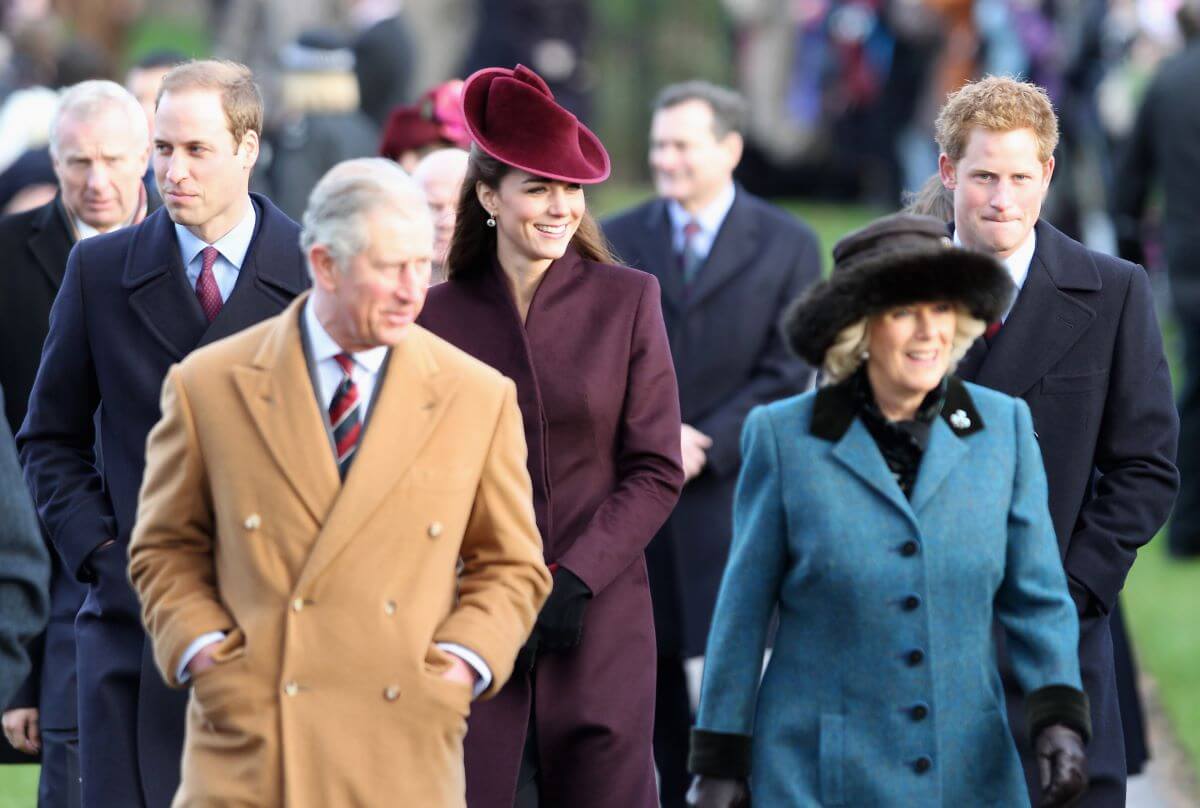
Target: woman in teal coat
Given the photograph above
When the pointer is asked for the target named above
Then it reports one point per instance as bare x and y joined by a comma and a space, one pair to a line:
890, 518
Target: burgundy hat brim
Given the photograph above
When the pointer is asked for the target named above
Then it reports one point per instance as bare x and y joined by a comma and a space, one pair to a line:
405, 131
522, 126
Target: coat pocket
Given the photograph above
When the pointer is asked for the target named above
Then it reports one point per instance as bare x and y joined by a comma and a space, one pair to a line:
1067, 383
831, 756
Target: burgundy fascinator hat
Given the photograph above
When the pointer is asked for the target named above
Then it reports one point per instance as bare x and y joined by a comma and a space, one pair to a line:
512, 116
435, 118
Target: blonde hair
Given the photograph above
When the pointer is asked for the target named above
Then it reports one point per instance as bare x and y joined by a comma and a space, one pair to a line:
241, 99
849, 347
998, 104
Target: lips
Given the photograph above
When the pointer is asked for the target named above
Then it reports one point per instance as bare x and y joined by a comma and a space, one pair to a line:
554, 231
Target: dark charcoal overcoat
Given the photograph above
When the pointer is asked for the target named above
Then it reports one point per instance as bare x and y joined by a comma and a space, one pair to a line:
124, 315
730, 357
1082, 346
601, 411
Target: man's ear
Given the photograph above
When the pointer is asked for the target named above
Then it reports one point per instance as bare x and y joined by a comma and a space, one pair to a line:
248, 149
324, 267
947, 171
734, 145
1047, 172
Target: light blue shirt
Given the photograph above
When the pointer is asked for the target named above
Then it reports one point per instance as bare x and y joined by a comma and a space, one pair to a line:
709, 218
232, 248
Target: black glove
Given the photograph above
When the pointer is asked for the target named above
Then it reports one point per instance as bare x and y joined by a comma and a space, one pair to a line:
526, 656
560, 624
718, 792
1062, 765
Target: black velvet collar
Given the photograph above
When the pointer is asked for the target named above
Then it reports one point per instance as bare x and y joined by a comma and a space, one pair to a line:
836, 408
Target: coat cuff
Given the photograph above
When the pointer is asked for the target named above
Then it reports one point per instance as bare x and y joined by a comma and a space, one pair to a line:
1058, 704
720, 754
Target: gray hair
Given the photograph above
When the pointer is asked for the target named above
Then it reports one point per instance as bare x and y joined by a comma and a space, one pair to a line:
728, 106
350, 190
88, 97
849, 347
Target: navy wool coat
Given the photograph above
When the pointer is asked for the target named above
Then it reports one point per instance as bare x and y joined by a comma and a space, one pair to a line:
1082, 347
601, 411
882, 688
124, 315
729, 357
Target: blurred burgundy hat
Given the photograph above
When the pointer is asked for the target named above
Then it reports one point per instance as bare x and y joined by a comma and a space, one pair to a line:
435, 118
512, 115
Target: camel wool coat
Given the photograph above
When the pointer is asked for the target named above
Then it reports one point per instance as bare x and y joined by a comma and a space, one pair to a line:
327, 690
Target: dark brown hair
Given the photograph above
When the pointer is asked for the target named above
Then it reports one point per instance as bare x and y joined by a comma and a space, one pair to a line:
473, 245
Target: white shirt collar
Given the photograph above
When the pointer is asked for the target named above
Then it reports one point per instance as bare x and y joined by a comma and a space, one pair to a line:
84, 229
232, 246
324, 347
709, 217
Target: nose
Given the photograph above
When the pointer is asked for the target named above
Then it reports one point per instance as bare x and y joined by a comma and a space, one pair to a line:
176, 168
924, 323
558, 201
1002, 196
97, 178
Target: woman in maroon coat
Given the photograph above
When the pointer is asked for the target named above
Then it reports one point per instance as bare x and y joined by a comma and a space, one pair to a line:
533, 292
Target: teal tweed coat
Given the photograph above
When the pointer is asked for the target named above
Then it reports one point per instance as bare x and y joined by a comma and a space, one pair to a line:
882, 688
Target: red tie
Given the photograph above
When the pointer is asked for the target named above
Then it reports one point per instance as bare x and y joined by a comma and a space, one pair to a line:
992, 331
343, 415
206, 285
689, 259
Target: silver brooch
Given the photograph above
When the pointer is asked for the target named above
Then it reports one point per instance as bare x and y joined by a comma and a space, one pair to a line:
959, 419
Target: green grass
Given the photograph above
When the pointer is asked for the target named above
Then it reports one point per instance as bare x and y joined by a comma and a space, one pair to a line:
18, 786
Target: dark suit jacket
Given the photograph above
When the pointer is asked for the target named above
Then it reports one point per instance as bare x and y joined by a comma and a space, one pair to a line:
124, 315
1082, 346
36, 244
1163, 149
24, 571
729, 357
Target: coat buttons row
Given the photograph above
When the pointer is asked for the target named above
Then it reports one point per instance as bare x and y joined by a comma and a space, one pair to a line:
919, 712
253, 522
391, 693
291, 689
434, 530
389, 607
912, 603
915, 657
909, 548
922, 765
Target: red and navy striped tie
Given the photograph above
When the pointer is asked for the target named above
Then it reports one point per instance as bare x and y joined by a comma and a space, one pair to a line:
344, 419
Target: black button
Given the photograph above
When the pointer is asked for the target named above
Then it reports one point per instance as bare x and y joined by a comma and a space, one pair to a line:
912, 603
922, 765
909, 548
916, 656
920, 712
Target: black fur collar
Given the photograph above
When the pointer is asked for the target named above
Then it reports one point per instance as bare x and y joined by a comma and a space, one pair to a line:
834, 411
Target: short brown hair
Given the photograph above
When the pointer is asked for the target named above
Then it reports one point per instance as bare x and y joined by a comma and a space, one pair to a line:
999, 104
240, 96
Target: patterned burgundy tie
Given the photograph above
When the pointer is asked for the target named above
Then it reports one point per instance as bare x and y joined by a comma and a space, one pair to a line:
992, 330
206, 285
343, 415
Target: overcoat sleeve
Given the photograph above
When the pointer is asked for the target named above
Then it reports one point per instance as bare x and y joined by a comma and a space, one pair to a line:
777, 373
504, 580
1033, 604
649, 466
171, 561
1135, 456
57, 440
749, 588
24, 571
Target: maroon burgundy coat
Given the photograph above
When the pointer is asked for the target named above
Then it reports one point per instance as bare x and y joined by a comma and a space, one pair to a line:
597, 391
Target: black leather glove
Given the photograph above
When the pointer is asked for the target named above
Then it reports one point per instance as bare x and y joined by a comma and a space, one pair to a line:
718, 792
1062, 765
560, 624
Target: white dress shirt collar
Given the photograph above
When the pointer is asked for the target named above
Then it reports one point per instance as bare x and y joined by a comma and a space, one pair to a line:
232, 246
325, 347
709, 218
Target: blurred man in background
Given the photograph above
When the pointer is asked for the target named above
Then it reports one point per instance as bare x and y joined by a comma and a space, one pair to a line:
440, 175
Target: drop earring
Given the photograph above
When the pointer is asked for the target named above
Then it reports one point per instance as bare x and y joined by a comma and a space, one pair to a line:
491, 220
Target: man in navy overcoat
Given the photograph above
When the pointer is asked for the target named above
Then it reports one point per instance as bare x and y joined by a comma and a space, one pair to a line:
728, 263
214, 260
1081, 345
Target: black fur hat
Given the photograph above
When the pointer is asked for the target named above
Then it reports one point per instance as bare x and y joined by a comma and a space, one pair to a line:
894, 261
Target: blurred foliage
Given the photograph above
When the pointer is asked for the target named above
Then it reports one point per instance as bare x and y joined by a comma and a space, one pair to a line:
167, 33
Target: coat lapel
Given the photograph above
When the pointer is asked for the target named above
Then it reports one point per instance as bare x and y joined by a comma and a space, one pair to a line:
658, 255
412, 400
1045, 321
859, 454
51, 241
944, 451
735, 246
279, 396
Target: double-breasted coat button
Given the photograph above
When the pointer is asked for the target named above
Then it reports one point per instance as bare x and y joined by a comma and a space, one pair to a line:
291, 688
389, 607
391, 693
435, 529
298, 605
919, 712
253, 522
916, 657
909, 548
912, 603
922, 765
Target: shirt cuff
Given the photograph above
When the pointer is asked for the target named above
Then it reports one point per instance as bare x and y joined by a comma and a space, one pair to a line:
475, 661
204, 639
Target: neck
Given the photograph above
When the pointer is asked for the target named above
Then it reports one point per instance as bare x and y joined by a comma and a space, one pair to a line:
696, 204
326, 311
219, 226
522, 274
896, 405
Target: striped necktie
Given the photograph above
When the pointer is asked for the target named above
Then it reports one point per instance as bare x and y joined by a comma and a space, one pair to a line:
344, 417
690, 258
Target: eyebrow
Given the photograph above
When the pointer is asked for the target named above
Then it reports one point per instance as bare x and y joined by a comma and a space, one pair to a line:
537, 180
